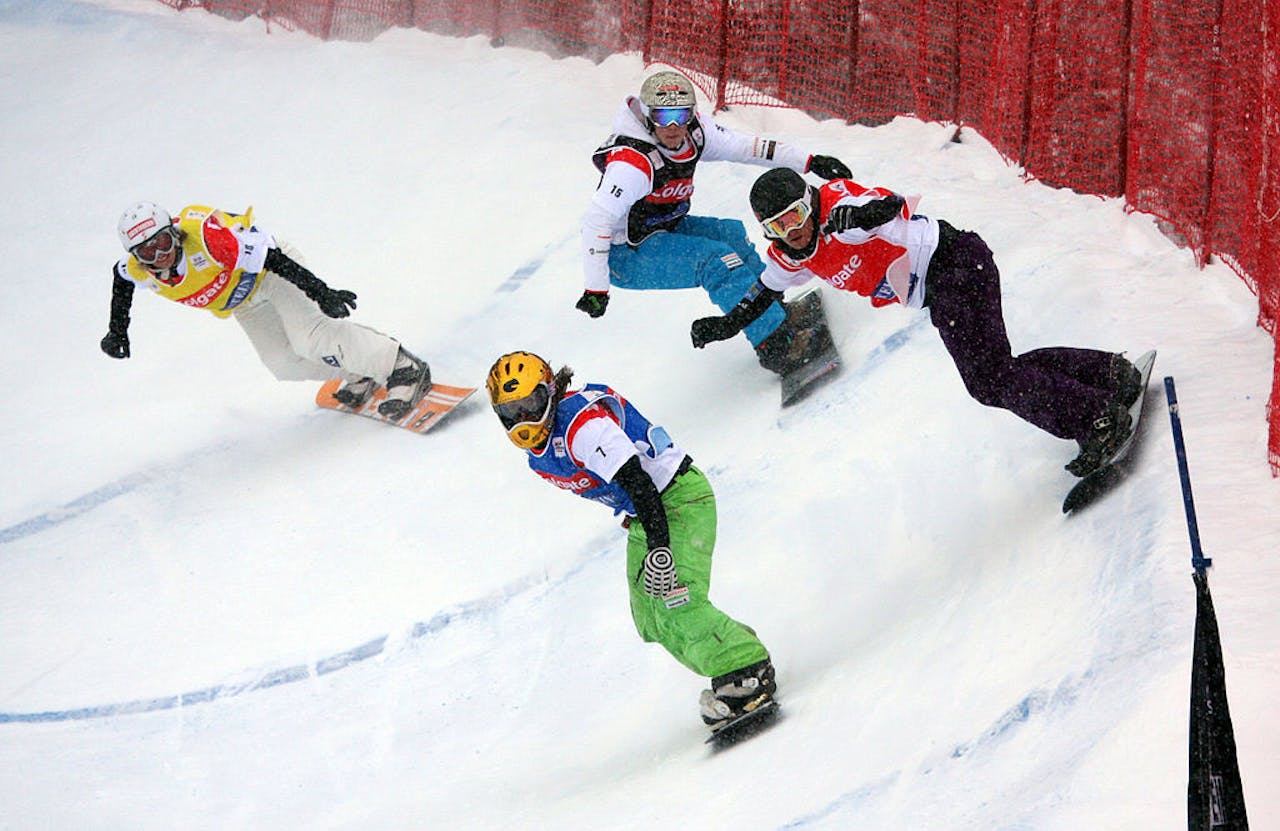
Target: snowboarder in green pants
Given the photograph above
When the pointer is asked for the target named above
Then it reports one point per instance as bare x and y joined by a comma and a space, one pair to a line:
594, 443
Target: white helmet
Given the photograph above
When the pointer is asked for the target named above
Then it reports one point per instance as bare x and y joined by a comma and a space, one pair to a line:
141, 222
667, 89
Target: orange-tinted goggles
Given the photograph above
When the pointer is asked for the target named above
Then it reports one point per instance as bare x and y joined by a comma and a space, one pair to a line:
788, 219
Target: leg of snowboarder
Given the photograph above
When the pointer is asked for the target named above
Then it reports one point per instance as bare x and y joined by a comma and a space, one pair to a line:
714, 255
964, 303
683, 619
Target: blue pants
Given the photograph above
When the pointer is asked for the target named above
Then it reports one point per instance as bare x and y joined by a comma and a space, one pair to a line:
702, 252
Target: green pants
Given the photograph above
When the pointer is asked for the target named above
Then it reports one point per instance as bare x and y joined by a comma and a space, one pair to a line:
697, 634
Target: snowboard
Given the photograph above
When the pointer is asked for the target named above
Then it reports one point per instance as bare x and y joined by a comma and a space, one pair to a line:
744, 726
439, 401
805, 312
1113, 469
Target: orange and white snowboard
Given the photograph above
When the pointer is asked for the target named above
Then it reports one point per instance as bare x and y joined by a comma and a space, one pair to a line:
439, 401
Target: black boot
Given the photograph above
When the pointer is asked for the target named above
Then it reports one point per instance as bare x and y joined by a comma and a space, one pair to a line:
737, 693
797, 340
354, 394
1108, 432
776, 352
409, 381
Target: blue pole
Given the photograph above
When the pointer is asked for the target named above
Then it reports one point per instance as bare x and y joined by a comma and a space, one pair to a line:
1198, 561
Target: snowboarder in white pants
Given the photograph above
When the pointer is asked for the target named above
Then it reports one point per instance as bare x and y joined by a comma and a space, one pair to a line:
223, 263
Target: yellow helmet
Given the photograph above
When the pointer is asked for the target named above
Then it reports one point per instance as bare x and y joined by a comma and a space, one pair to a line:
521, 391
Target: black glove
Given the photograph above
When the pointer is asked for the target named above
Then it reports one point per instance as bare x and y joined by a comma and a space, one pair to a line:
593, 302
868, 216
116, 344
704, 330
829, 167
336, 302
758, 298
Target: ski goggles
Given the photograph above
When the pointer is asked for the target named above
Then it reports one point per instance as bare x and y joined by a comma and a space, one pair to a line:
155, 247
531, 409
788, 219
668, 116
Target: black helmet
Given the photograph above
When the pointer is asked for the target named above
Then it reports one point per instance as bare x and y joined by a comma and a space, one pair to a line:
773, 193
775, 190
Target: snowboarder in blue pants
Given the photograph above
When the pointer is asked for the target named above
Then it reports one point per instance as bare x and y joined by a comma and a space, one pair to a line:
637, 232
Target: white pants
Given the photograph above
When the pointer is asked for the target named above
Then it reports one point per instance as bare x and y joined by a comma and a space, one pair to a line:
298, 342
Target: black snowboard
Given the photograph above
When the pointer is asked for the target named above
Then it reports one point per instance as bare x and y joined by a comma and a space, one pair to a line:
822, 361
744, 726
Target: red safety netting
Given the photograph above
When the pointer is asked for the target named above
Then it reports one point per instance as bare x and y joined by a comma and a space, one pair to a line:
1172, 104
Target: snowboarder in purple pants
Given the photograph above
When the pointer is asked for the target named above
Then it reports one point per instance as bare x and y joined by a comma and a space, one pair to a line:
870, 241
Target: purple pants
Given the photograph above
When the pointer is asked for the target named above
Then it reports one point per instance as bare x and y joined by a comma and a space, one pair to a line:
1059, 389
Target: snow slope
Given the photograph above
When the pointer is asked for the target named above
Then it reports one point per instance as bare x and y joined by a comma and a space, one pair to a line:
223, 608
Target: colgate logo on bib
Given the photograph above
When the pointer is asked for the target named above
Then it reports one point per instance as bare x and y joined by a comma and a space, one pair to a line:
677, 190
577, 483
205, 296
841, 277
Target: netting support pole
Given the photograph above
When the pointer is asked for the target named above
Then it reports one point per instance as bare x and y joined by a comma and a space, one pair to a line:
956, 67
1211, 147
1199, 562
1033, 24
722, 64
327, 29
1125, 83
646, 51
855, 56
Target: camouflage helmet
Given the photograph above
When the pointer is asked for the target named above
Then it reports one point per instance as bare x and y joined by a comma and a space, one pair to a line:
667, 89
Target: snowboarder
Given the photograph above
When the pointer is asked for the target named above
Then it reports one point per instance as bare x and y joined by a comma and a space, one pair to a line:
594, 443
870, 241
637, 234
222, 262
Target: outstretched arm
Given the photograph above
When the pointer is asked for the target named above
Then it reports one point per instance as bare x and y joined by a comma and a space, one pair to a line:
116, 341
707, 329
724, 144
333, 302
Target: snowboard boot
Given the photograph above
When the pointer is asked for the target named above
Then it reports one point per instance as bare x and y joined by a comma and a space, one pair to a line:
354, 394
1127, 380
737, 693
1107, 433
409, 381
784, 350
